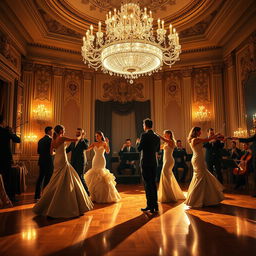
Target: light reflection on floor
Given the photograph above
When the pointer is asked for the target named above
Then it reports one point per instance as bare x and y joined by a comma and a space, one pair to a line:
122, 229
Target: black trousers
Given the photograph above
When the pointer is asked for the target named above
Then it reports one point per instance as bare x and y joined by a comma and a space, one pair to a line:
45, 174
149, 177
81, 171
184, 173
214, 166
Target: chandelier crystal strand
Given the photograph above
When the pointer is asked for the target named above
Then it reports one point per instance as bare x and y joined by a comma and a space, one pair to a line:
130, 48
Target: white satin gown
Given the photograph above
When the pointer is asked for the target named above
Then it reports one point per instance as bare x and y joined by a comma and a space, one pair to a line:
101, 183
169, 189
204, 189
64, 196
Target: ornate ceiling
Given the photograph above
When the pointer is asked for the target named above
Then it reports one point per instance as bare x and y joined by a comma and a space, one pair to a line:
61, 24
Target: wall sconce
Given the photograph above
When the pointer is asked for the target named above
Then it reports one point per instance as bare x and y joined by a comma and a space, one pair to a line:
30, 137
203, 115
254, 120
240, 133
41, 112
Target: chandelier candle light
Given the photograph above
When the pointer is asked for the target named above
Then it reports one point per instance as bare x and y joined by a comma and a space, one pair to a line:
202, 115
130, 48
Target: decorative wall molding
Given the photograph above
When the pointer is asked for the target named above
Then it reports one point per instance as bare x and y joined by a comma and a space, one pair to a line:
172, 82
111, 4
120, 90
55, 27
7, 50
43, 81
73, 81
201, 85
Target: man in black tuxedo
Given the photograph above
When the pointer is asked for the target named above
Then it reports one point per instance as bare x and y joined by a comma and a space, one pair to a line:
149, 145
126, 164
45, 161
6, 160
213, 155
78, 155
179, 155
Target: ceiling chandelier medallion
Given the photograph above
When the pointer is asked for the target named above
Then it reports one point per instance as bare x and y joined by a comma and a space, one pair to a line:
130, 47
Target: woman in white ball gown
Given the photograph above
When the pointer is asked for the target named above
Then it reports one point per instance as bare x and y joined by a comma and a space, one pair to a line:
101, 183
169, 189
64, 196
204, 189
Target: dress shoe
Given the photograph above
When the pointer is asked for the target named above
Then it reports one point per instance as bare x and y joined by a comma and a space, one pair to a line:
145, 209
154, 210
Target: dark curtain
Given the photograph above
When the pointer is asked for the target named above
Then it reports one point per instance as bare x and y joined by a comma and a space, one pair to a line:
142, 111
103, 117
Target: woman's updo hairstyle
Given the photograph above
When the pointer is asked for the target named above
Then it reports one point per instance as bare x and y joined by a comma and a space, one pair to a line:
101, 134
57, 130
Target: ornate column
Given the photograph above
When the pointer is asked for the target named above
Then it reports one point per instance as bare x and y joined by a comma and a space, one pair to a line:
218, 99
58, 73
157, 115
231, 95
88, 117
187, 101
28, 79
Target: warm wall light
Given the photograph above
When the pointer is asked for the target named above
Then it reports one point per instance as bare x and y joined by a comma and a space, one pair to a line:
240, 133
41, 112
30, 138
202, 115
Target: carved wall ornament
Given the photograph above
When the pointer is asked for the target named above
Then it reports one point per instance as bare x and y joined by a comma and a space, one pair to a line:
247, 64
55, 27
7, 50
200, 27
106, 5
43, 76
201, 85
58, 71
120, 90
73, 80
172, 83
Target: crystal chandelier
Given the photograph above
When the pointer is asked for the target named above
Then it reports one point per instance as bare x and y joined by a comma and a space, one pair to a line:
130, 48
202, 115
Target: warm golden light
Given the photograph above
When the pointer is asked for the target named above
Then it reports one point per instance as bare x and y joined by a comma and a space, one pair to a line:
41, 112
29, 234
202, 115
240, 132
30, 138
131, 46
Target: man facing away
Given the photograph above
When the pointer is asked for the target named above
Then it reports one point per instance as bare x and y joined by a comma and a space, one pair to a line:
45, 161
78, 155
6, 160
149, 145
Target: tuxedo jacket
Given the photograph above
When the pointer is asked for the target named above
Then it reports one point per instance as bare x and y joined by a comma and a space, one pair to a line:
78, 156
6, 136
149, 145
213, 150
179, 155
44, 151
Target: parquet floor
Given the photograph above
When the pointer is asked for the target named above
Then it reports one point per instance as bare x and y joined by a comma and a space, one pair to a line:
122, 229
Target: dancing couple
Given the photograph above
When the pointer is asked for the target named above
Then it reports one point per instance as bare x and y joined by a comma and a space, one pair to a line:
65, 195
204, 189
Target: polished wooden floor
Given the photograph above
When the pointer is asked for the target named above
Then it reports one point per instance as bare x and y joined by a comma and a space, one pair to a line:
122, 229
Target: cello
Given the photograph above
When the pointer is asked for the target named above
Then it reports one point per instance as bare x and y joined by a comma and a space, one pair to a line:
243, 165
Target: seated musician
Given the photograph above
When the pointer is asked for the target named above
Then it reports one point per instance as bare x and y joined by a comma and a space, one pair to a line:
179, 155
126, 164
245, 166
234, 151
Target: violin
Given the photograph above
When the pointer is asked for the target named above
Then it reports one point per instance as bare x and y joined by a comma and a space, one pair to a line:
243, 165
